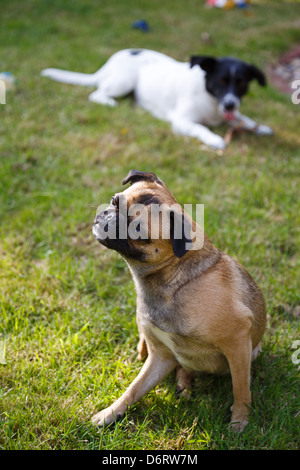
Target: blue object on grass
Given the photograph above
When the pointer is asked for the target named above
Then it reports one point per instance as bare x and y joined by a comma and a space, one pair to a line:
141, 24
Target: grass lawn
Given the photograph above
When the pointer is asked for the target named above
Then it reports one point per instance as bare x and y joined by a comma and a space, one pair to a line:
67, 305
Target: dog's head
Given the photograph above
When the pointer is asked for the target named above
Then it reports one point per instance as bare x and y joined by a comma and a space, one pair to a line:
227, 79
144, 223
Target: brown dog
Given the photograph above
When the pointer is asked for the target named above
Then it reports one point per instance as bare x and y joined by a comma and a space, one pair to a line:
197, 309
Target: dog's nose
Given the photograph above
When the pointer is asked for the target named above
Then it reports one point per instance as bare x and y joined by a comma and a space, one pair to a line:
229, 105
103, 217
98, 218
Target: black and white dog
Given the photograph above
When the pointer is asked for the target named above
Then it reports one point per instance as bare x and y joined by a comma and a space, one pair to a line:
190, 95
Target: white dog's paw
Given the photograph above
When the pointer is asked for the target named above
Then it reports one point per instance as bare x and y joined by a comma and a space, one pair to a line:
216, 142
106, 417
100, 98
264, 130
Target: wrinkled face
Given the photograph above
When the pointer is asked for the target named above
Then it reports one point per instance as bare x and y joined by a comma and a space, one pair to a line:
144, 222
227, 79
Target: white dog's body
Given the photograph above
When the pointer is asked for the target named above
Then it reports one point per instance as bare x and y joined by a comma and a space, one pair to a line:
170, 90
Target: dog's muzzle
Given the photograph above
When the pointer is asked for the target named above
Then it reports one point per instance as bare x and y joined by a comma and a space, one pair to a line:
105, 224
228, 105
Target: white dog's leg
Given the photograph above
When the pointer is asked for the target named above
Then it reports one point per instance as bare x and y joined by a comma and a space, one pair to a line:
251, 125
184, 127
111, 87
100, 97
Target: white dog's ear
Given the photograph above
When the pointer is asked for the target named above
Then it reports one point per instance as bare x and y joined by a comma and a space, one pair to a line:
205, 62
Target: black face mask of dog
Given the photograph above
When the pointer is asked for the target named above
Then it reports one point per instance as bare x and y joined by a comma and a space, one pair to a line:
227, 79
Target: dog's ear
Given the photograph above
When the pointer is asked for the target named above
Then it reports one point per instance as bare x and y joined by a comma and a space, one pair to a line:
205, 62
134, 176
255, 74
180, 229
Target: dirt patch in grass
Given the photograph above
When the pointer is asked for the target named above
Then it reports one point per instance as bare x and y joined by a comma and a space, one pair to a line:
286, 70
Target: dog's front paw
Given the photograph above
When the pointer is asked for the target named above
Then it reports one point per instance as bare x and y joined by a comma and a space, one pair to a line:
264, 130
216, 142
238, 426
239, 418
106, 417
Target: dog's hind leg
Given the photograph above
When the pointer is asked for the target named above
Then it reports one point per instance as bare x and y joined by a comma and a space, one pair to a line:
184, 383
113, 83
142, 344
256, 352
142, 348
100, 97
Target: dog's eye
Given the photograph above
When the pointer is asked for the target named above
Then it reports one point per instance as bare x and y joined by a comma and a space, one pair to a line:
224, 81
138, 228
241, 83
115, 201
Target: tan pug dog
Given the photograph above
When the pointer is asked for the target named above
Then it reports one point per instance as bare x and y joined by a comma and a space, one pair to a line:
197, 308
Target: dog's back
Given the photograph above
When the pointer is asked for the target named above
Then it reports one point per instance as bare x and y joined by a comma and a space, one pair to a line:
129, 60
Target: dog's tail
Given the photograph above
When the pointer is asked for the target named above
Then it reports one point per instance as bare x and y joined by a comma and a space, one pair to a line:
73, 78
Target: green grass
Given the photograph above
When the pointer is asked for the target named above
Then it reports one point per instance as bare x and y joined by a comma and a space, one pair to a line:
67, 305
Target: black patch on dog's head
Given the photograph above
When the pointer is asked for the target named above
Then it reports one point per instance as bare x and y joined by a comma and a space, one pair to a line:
205, 62
227, 75
136, 51
147, 199
134, 176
